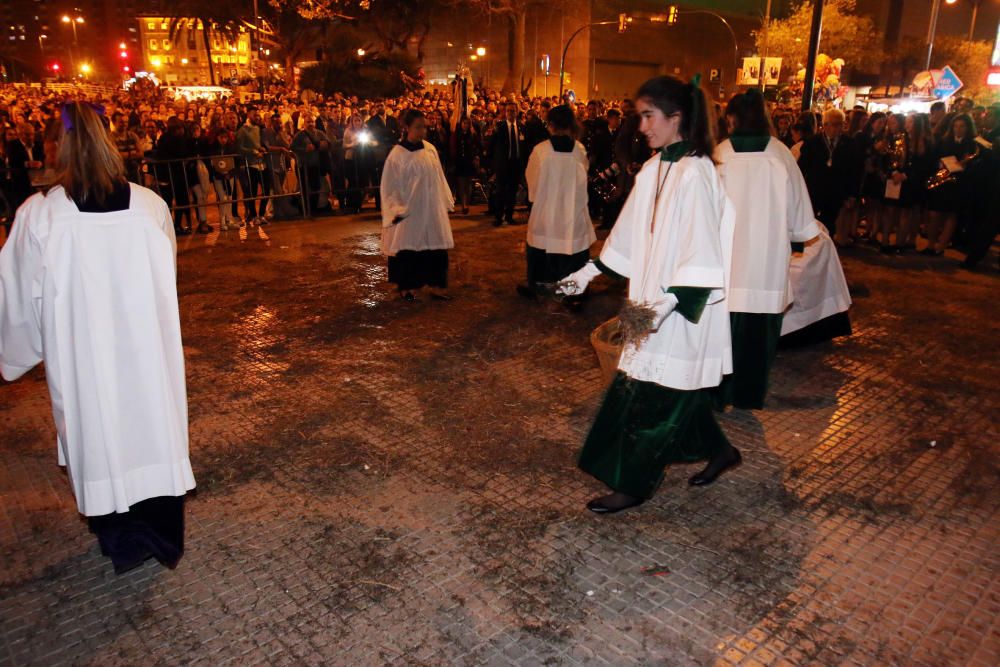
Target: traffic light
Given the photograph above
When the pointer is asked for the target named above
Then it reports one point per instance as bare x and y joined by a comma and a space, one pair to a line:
623, 21
672, 14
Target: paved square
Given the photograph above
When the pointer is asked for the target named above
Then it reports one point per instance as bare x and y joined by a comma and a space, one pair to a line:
385, 482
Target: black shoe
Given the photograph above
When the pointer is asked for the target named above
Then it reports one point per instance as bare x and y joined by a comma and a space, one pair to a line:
498, 223
183, 231
931, 252
527, 292
716, 468
887, 249
614, 502
574, 303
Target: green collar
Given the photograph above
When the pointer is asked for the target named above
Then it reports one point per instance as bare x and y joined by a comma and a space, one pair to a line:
744, 141
675, 151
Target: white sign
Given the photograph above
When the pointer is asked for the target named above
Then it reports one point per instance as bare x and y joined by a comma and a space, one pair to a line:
750, 72
772, 71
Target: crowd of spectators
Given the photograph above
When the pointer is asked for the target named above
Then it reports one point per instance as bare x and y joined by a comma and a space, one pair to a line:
882, 178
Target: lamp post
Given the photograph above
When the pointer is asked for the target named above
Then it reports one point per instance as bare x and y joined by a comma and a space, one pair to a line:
732, 33
932, 30
763, 51
72, 21
562, 61
975, 15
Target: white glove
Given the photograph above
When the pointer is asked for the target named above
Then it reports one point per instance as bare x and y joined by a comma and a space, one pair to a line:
663, 307
576, 283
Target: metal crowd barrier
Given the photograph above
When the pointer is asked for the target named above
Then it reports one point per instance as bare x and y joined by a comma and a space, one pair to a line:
165, 176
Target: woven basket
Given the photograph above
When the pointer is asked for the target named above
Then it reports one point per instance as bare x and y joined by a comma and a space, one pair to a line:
607, 342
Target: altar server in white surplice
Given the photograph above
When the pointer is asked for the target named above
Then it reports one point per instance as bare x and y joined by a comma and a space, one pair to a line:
819, 312
560, 232
773, 210
88, 285
416, 200
672, 242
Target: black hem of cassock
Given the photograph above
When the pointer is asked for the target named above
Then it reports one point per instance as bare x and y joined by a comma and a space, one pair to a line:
821, 331
549, 267
152, 528
413, 269
641, 427
755, 344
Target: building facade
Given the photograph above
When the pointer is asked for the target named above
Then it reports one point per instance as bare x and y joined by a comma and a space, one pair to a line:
182, 59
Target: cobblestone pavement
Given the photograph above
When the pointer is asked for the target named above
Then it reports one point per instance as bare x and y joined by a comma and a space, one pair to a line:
383, 482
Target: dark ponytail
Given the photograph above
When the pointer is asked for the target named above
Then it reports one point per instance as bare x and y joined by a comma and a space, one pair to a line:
749, 112
671, 95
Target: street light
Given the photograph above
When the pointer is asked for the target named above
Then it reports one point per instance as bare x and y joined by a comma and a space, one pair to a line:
481, 51
72, 22
361, 53
932, 28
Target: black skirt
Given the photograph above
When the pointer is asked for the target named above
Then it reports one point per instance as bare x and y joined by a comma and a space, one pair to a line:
547, 267
413, 269
152, 528
820, 331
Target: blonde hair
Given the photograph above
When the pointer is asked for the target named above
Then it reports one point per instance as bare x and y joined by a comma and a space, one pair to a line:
88, 163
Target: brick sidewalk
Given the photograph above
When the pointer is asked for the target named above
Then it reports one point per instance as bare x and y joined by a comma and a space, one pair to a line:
382, 482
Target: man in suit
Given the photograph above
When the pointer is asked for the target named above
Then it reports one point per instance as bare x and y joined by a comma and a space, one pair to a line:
23, 154
830, 165
385, 131
630, 151
506, 152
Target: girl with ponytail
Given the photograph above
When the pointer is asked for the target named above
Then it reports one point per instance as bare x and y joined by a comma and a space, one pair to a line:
671, 242
773, 210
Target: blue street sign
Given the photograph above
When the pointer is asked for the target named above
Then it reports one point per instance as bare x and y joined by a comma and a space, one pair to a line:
947, 84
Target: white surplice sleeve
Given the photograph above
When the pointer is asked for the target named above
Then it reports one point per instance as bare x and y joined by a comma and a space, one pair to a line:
533, 172
617, 251
802, 225
21, 274
443, 188
394, 190
699, 259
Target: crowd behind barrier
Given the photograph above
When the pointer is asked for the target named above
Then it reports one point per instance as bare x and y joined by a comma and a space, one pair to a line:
879, 178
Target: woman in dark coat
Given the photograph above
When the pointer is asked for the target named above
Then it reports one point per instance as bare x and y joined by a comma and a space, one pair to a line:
944, 201
465, 151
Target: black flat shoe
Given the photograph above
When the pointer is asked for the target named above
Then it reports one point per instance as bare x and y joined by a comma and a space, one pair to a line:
716, 468
613, 502
184, 231
574, 303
